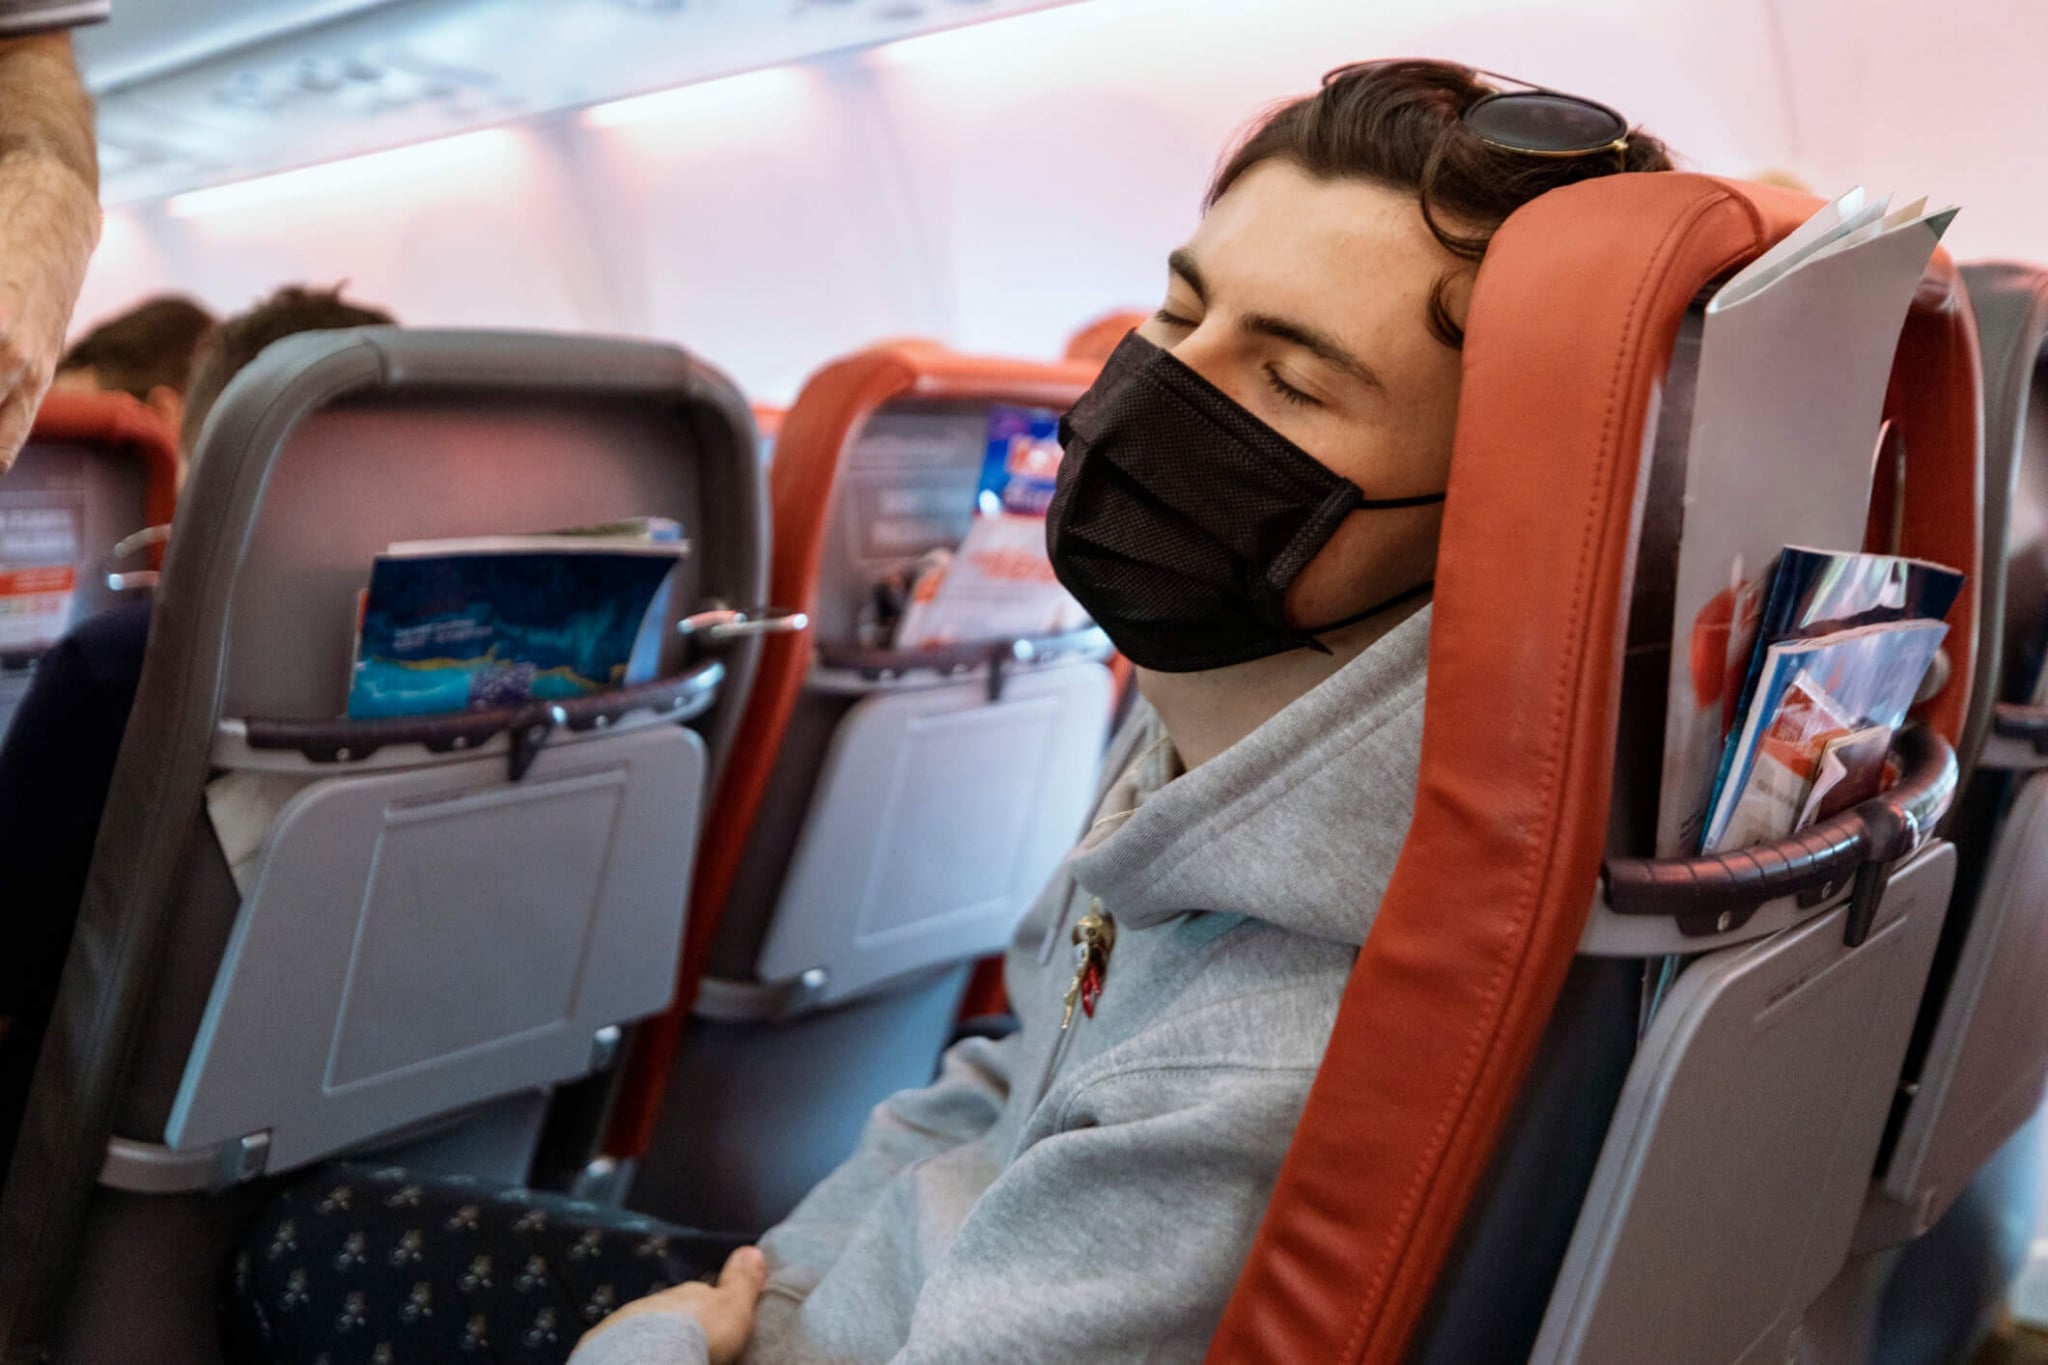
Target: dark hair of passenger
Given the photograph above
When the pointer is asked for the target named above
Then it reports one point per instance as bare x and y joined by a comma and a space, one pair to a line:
151, 346
242, 338
1401, 124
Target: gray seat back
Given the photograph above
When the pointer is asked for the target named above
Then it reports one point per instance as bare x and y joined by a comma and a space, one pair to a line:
427, 924
1688, 1164
933, 802
421, 939
1726, 1198
1739, 1156
917, 802
1979, 1067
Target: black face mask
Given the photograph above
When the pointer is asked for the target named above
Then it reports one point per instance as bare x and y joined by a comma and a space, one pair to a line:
1180, 519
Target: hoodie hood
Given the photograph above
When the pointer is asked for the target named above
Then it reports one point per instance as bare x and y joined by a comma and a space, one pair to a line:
1298, 824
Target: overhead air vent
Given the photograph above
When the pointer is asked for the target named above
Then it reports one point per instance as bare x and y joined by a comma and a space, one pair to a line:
316, 80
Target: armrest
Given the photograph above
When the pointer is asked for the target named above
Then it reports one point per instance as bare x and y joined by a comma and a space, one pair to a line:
993, 655
1716, 892
685, 695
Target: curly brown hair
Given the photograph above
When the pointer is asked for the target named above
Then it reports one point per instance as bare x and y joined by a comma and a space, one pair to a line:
151, 346
239, 340
1402, 124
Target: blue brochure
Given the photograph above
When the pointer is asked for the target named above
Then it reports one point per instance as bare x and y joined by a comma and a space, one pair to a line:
1820, 592
1022, 461
1816, 593
455, 626
1828, 697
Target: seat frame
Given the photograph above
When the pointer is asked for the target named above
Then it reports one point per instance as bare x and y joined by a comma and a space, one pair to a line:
638, 416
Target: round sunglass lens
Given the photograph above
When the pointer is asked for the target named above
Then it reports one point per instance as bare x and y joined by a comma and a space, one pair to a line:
1538, 121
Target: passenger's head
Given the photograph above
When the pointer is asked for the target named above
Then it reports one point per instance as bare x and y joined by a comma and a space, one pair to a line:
1325, 291
242, 338
145, 352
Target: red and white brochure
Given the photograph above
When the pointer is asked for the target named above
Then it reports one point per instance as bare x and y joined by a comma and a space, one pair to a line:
35, 604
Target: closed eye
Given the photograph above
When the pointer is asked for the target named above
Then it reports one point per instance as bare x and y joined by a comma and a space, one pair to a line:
1288, 393
1173, 319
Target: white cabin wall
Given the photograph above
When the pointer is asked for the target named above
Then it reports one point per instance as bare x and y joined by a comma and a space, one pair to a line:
998, 185
1060, 155
468, 231
129, 263
760, 220
1933, 96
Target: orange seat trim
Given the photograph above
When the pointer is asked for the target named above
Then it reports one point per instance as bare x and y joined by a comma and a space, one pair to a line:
119, 422
1936, 403
1094, 342
768, 419
1572, 324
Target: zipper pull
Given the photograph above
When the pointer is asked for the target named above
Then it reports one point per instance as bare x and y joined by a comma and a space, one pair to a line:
1094, 936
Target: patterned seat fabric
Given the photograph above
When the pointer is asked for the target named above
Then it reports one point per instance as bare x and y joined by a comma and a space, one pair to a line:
364, 1266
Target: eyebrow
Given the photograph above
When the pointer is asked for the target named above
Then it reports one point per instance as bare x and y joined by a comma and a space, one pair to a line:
1318, 343
1321, 344
1182, 263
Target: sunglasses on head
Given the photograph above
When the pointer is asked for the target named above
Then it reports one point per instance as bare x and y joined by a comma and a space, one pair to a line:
1536, 121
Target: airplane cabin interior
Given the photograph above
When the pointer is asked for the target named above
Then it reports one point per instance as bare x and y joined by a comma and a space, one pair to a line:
687, 682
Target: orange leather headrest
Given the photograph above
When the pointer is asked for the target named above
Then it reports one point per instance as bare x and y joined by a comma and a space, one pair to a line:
1572, 325
117, 421
1094, 342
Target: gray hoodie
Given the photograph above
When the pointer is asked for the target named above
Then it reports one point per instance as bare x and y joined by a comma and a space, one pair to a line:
1090, 1195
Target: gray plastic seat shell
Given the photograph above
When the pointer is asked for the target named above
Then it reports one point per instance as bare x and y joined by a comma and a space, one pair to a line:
1738, 1157
530, 393
1986, 1067
424, 940
934, 821
2011, 306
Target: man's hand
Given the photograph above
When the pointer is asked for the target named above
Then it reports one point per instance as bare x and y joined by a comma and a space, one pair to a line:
725, 1311
49, 221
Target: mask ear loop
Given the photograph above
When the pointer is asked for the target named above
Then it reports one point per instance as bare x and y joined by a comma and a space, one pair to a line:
1389, 504
1406, 595
1402, 598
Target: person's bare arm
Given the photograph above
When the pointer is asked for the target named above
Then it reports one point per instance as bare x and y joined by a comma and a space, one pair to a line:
49, 220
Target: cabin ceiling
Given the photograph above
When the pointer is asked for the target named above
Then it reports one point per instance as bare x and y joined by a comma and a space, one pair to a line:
201, 92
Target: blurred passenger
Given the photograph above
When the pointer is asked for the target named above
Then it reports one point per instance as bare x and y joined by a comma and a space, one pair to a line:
1248, 505
146, 352
239, 340
49, 200
57, 757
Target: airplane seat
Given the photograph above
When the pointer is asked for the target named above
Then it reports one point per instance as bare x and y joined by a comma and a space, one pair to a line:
1093, 343
439, 919
768, 421
1505, 1154
96, 469
888, 815
1978, 1066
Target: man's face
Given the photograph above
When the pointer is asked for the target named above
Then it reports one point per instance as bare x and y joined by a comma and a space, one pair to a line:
1308, 302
